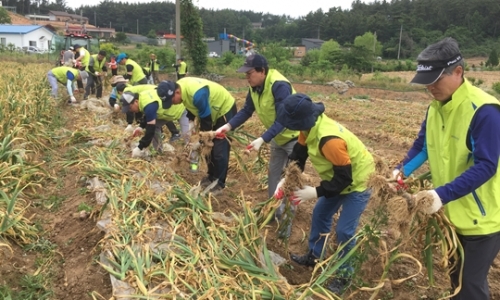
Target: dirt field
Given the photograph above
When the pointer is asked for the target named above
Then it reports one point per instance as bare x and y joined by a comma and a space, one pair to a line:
387, 123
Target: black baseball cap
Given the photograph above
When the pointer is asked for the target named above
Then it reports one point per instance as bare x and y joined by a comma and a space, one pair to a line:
253, 61
429, 71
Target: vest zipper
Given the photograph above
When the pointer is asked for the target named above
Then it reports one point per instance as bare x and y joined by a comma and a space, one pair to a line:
479, 204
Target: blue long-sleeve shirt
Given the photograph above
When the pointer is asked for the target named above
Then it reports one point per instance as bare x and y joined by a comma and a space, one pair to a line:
280, 90
69, 83
484, 131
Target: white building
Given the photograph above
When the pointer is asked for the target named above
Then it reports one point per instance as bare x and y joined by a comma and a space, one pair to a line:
25, 36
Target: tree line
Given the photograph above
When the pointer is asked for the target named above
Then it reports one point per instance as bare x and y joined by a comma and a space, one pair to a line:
418, 23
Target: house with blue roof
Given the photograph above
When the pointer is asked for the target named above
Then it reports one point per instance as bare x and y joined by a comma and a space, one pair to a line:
25, 36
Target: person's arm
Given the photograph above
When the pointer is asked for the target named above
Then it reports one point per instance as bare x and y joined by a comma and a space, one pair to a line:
91, 65
334, 149
299, 153
417, 155
150, 115
202, 103
130, 69
244, 114
104, 68
69, 82
484, 144
280, 90
112, 97
82, 54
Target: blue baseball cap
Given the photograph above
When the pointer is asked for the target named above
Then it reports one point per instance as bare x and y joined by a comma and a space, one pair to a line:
120, 57
298, 112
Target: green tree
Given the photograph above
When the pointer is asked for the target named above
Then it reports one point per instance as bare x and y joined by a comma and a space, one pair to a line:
329, 50
192, 30
151, 34
120, 37
492, 59
369, 42
4, 16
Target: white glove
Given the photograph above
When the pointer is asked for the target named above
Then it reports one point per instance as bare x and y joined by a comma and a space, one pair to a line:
96, 73
116, 107
74, 61
255, 145
137, 152
436, 201
137, 132
195, 146
73, 99
305, 194
279, 193
129, 128
223, 129
396, 174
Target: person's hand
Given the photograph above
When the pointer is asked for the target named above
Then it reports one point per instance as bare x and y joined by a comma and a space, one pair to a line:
129, 128
73, 99
96, 73
279, 193
116, 107
432, 197
195, 146
74, 61
220, 133
255, 145
397, 175
304, 194
137, 152
137, 132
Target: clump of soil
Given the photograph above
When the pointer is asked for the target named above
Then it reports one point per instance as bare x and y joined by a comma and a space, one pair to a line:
293, 179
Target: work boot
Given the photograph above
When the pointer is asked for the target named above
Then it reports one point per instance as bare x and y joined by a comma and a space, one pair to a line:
174, 138
338, 285
216, 190
308, 259
205, 182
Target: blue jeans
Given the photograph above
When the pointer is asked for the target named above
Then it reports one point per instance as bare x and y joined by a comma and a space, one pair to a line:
353, 205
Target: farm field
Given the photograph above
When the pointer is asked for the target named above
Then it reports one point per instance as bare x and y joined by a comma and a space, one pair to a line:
54, 251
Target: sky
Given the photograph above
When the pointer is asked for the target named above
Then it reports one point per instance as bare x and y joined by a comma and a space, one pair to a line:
275, 7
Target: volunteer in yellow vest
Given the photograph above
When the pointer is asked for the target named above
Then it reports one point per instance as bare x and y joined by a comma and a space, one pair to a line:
66, 76
155, 116
268, 88
138, 116
96, 70
344, 166
180, 68
114, 96
214, 106
461, 141
153, 68
135, 75
82, 55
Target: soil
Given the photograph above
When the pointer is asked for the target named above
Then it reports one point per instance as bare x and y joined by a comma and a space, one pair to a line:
387, 123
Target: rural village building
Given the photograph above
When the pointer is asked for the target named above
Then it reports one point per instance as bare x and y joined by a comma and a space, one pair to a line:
26, 35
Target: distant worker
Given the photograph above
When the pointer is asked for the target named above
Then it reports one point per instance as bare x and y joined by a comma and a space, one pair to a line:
135, 74
82, 56
114, 96
66, 76
180, 68
96, 69
153, 67
68, 57
113, 65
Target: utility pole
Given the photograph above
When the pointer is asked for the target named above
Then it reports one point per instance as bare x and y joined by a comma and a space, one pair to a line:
400, 33
374, 45
95, 22
109, 24
137, 26
171, 26
178, 28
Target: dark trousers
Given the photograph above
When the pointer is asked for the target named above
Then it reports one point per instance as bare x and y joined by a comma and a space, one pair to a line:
218, 160
138, 118
142, 81
179, 76
479, 253
94, 84
79, 84
114, 72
